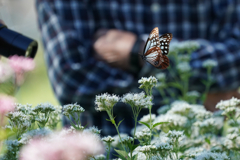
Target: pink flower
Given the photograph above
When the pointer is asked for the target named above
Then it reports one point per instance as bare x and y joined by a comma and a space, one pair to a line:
7, 104
77, 146
21, 64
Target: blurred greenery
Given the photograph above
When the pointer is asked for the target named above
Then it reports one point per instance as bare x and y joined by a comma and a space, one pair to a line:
37, 89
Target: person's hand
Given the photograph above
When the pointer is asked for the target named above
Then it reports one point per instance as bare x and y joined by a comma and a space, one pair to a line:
1, 21
214, 98
114, 48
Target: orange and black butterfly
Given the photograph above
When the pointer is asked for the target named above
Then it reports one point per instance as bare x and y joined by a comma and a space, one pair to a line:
156, 49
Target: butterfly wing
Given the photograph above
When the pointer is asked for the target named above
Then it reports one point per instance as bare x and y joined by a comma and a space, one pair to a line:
164, 42
154, 48
165, 62
154, 56
152, 41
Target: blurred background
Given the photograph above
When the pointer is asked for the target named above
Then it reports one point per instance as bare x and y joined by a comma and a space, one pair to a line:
20, 15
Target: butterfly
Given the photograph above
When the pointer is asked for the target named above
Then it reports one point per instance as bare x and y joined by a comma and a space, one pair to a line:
156, 49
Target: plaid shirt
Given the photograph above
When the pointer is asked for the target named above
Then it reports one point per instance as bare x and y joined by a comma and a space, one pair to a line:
68, 27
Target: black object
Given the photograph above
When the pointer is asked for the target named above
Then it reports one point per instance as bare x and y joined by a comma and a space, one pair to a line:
13, 43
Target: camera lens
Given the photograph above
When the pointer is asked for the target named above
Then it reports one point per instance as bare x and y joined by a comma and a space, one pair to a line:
13, 43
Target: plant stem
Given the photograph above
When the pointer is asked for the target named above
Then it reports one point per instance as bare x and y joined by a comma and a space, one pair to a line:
114, 123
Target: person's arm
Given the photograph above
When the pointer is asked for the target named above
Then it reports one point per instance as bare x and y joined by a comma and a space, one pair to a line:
72, 68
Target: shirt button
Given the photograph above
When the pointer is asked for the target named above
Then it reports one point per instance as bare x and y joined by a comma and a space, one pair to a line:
155, 7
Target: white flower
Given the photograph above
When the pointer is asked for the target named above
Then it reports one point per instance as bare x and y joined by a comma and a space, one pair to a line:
161, 85
147, 82
105, 101
44, 108
207, 155
117, 141
148, 149
140, 155
184, 46
183, 67
233, 130
195, 94
161, 76
139, 128
209, 63
175, 134
70, 109
145, 133
174, 119
234, 102
216, 122
163, 109
202, 114
127, 139
177, 103
92, 129
99, 157
108, 139
182, 58
137, 100
146, 118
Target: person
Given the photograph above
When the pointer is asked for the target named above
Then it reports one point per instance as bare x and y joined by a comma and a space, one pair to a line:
91, 47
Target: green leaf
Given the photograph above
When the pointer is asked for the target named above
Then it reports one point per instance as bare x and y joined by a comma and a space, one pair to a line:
120, 122
122, 154
132, 146
135, 157
204, 82
144, 124
207, 140
174, 84
159, 123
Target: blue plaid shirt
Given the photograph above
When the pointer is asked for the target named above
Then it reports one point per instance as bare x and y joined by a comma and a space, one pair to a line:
68, 27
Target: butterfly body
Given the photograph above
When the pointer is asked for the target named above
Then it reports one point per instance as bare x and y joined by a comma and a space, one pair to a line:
156, 49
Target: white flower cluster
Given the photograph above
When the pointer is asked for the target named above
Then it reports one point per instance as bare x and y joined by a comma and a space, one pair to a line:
117, 141
148, 149
207, 155
108, 139
164, 146
163, 109
146, 118
147, 82
137, 100
181, 46
44, 108
194, 94
211, 123
37, 133
70, 109
126, 139
233, 102
93, 129
209, 63
105, 101
184, 67
184, 58
161, 76
175, 134
173, 119
55, 117
99, 157
143, 134
19, 122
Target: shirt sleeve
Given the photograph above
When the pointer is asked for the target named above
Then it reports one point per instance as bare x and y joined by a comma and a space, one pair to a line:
223, 46
72, 68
